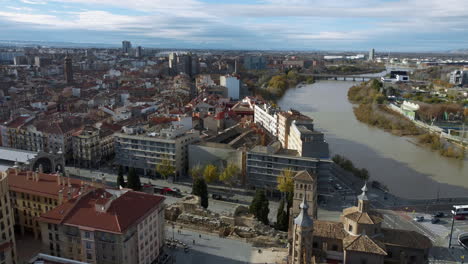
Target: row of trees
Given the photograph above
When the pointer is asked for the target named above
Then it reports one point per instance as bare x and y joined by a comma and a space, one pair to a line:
348, 165
210, 173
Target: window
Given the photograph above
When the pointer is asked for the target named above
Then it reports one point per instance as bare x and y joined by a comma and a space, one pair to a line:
350, 228
88, 245
334, 248
87, 234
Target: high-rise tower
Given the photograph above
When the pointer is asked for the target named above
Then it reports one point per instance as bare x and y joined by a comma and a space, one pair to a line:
68, 70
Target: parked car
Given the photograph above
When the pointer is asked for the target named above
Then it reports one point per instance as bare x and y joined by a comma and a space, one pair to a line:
216, 196
459, 217
330, 179
338, 187
419, 218
438, 214
435, 220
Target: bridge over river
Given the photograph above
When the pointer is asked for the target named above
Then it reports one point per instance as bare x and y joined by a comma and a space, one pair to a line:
338, 77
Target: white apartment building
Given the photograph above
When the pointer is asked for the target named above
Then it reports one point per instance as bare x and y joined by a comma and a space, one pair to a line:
232, 83
267, 117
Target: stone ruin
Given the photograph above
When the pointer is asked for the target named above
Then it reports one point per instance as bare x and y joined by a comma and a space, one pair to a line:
240, 224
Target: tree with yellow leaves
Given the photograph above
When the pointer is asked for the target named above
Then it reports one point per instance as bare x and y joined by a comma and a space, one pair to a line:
210, 173
286, 181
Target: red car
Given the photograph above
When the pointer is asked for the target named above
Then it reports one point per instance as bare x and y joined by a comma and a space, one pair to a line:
459, 217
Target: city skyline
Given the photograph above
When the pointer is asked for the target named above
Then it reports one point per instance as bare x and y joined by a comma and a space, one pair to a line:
261, 24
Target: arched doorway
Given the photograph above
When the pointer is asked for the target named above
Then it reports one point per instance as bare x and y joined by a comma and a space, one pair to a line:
46, 165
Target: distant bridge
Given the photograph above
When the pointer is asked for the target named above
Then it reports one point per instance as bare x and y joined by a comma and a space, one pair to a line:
337, 77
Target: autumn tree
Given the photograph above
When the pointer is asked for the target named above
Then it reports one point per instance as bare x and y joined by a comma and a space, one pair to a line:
210, 173
196, 171
165, 168
286, 181
229, 174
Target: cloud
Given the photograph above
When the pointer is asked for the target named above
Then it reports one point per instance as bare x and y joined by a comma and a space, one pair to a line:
259, 23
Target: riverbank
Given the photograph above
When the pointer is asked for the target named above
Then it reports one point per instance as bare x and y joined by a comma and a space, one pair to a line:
275, 87
372, 109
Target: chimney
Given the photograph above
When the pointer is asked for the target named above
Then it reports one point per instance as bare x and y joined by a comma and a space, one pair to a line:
35, 175
69, 182
60, 196
28, 175
59, 178
69, 195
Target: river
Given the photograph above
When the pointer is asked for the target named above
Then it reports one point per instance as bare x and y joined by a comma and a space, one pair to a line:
408, 170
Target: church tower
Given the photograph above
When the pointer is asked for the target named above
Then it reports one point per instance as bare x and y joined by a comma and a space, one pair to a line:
68, 69
302, 236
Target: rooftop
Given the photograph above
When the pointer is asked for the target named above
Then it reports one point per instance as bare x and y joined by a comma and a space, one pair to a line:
124, 209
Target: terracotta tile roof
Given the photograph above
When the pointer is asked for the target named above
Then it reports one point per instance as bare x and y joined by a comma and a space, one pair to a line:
363, 243
123, 212
370, 217
46, 186
329, 229
405, 238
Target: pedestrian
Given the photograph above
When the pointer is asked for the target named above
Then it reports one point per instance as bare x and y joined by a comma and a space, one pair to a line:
199, 235
194, 241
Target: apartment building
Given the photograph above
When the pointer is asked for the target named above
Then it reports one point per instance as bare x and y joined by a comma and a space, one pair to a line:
86, 147
267, 117
7, 234
285, 119
99, 227
265, 164
143, 149
306, 141
35, 193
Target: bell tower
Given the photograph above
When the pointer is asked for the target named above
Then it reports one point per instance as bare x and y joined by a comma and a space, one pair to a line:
302, 236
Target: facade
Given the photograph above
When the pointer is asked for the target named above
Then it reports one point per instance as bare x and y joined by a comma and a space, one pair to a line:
35, 193
68, 70
255, 62
359, 238
265, 164
146, 151
305, 187
459, 77
233, 85
306, 141
126, 46
91, 146
7, 234
285, 120
98, 227
267, 117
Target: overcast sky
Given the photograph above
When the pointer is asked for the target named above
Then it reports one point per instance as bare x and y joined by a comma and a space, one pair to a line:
386, 25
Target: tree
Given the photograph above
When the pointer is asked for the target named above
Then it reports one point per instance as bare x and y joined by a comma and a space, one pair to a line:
210, 173
133, 180
282, 218
200, 189
165, 168
196, 172
120, 177
286, 181
229, 174
259, 207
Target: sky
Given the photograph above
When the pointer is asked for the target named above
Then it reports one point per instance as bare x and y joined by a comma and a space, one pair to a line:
386, 25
